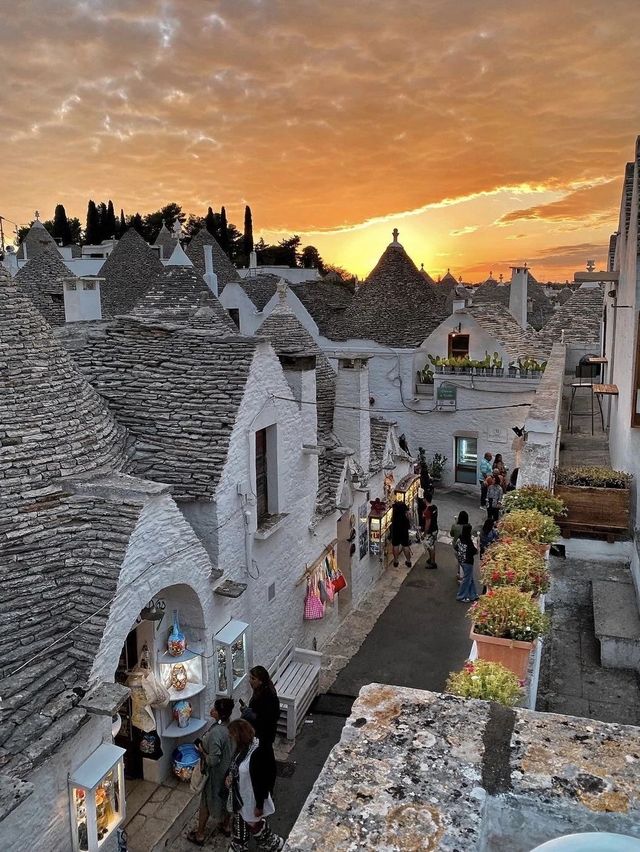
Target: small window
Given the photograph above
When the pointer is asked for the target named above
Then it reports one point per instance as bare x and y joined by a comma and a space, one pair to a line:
89, 285
234, 313
458, 345
57, 298
71, 285
262, 482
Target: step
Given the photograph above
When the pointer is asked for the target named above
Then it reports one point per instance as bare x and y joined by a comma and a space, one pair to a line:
616, 623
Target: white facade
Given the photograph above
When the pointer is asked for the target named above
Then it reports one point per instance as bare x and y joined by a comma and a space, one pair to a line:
233, 297
292, 274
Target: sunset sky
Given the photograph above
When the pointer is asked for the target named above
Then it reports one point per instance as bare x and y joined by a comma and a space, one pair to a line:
487, 132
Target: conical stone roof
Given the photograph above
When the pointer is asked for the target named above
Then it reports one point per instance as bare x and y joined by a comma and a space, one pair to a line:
52, 423
395, 306
284, 331
222, 266
182, 296
129, 271
41, 278
166, 242
37, 237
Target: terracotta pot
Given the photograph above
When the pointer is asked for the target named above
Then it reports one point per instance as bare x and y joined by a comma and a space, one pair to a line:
543, 549
510, 652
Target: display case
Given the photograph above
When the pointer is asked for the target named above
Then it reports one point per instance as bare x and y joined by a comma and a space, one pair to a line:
96, 795
379, 527
407, 489
183, 678
231, 657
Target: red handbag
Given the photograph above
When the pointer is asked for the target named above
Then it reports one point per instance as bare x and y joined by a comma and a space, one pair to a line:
339, 582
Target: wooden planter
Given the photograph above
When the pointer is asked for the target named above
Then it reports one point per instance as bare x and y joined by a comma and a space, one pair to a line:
513, 654
604, 511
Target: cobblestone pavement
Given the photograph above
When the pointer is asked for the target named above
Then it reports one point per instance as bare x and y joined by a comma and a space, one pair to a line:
571, 678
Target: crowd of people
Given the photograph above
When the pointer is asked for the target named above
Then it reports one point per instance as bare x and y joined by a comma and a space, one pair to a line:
237, 760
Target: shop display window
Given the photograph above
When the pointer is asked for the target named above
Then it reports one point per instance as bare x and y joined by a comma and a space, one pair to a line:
231, 657
96, 791
379, 527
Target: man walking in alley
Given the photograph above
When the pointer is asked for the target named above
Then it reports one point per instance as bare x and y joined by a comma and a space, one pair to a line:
431, 531
485, 470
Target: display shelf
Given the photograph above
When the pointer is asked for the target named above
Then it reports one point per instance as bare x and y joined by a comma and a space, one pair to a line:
174, 731
167, 660
189, 691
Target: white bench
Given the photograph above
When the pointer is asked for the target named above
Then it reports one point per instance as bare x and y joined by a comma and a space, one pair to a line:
296, 676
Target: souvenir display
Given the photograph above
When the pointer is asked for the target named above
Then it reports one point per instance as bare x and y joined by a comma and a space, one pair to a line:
222, 670
96, 794
176, 644
182, 711
185, 758
179, 678
231, 656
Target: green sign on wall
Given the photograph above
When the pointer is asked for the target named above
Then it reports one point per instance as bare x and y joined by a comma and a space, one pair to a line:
446, 396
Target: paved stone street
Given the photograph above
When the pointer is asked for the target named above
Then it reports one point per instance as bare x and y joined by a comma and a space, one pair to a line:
410, 631
571, 678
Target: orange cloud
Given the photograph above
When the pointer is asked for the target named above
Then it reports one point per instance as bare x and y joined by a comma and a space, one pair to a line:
596, 203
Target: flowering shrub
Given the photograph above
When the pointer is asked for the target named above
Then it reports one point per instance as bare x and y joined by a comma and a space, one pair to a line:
529, 524
534, 497
487, 681
514, 562
593, 477
507, 613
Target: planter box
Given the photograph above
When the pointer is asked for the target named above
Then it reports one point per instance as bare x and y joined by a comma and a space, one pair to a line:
424, 389
510, 652
597, 510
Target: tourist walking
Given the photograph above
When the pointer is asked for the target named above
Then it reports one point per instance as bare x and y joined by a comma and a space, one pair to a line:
494, 498
215, 752
455, 532
250, 782
263, 711
485, 471
431, 531
400, 526
467, 551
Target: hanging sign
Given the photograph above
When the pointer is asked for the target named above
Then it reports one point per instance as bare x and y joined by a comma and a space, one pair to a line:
446, 397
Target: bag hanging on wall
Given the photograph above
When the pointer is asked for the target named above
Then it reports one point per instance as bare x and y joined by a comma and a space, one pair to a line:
313, 606
325, 589
339, 582
328, 579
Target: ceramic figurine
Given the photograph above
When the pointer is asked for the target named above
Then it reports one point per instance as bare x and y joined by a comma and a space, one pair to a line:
176, 644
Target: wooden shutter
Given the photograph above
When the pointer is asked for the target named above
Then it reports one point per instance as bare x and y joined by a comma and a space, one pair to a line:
262, 494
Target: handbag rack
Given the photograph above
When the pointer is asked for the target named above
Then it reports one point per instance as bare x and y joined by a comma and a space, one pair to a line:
309, 570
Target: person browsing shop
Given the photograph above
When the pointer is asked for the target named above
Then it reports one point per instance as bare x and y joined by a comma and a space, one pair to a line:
485, 471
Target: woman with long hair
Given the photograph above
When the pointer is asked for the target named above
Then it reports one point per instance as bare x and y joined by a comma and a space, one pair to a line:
466, 555
454, 532
263, 711
250, 781
215, 756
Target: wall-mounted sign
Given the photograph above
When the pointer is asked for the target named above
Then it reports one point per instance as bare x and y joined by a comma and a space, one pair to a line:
496, 435
446, 397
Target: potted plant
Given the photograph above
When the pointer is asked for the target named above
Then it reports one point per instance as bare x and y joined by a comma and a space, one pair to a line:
597, 500
447, 366
506, 624
436, 466
496, 363
513, 371
437, 363
515, 563
424, 385
530, 525
534, 497
486, 361
486, 681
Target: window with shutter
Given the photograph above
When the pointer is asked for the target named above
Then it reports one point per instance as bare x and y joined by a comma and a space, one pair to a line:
262, 491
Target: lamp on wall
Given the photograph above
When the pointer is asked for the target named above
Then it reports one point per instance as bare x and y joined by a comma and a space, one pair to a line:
457, 328
153, 611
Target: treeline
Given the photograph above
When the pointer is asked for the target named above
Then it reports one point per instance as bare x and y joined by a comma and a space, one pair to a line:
103, 224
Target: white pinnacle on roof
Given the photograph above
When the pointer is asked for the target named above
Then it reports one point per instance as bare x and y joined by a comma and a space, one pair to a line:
178, 257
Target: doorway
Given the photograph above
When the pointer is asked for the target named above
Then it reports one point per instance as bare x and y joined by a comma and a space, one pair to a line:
127, 737
466, 455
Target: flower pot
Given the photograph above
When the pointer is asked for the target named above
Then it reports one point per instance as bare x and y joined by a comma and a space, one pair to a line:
513, 372
439, 368
424, 388
510, 652
543, 549
499, 371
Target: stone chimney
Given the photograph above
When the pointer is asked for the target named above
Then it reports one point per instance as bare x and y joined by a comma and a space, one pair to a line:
518, 294
253, 260
351, 419
299, 368
209, 275
82, 299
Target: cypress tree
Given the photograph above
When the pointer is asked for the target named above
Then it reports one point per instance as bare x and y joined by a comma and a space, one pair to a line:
224, 232
122, 227
247, 243
92, 233
61, 229
102, 218
210, 223
110, 227
137, 224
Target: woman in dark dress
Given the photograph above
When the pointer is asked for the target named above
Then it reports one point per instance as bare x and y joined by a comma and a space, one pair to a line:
263, 711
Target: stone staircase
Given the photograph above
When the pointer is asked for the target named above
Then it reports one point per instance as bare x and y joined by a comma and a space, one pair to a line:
617, 619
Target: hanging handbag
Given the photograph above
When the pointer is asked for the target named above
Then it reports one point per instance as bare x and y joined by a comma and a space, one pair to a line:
313, 606
198, 779
339, 582
328, 581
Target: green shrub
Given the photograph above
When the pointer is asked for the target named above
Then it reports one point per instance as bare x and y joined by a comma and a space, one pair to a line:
593, 477
487, 681
534, 497
507, 613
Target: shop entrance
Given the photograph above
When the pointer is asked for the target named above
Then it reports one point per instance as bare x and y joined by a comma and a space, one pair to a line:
466, 468
128, 736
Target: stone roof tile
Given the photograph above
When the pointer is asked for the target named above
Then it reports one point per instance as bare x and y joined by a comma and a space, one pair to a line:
578, 319
129, 271
331, 466
166, 241
260, 288
492, 292
222, 266
326, 302
36, 239
41, 278
502, 326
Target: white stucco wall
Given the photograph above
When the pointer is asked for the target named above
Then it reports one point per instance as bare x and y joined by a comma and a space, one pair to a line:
233, 296
42, 823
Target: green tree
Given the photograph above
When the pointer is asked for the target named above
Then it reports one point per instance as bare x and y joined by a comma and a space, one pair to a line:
61, 231
192, 226
92, 231
75, 229
122, 224
102, 218
110, 227
247, 241
225, 242
136, 223
211, 223
310, 259
152, 222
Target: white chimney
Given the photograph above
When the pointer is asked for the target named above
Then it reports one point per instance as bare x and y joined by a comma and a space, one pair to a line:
299, 370
82, 299
209, 275
458, 304
352, 419
518, 294
253, 260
